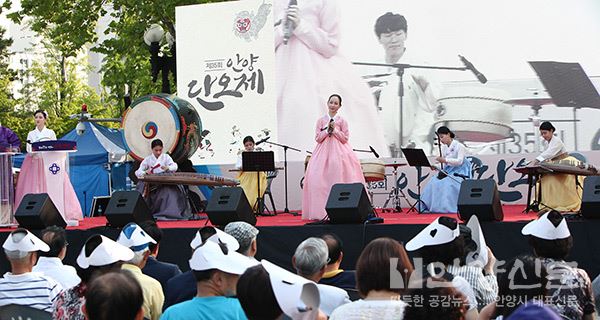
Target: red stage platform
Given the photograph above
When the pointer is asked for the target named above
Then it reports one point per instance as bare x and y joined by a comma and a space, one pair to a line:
512, 213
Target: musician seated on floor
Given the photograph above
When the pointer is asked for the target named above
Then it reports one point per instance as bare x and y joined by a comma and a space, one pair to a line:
559, 191
165, 201
440, 195
248, 180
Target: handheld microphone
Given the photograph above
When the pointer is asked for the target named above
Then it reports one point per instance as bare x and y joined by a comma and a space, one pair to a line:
287, 27
263, 140
470, 66
374, 152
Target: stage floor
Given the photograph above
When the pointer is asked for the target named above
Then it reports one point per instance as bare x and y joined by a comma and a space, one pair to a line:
512, 213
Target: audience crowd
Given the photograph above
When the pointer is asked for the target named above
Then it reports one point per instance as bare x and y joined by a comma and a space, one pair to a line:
451, 274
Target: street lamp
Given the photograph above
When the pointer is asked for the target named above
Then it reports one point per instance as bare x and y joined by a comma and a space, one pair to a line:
160, 61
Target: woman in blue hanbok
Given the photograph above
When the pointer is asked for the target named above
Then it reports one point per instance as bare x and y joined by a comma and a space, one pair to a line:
440, 195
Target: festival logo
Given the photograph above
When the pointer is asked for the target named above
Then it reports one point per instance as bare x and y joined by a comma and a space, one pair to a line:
54, 168
247, 25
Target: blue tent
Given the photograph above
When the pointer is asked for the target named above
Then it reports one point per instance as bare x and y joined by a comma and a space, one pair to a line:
100, 151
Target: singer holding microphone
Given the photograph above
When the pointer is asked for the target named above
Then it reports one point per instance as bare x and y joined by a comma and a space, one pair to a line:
440, 195
332, 161
248, 179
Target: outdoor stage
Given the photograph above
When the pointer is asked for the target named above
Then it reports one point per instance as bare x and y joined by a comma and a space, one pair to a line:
279, 235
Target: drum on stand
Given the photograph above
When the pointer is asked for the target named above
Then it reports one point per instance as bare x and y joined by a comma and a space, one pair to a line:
475, 114
165, 117
373, 169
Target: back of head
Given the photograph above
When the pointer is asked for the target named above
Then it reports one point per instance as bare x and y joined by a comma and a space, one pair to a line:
373, 264
524, 279
113, 296
310, 256
435, 298
256, 294
335, 246
16, 255
56, 238
557, 249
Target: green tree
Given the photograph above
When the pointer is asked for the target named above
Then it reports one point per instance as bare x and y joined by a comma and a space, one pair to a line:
70, 25
8, 116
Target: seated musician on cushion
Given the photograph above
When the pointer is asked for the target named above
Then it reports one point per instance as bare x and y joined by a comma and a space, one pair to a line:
248, 179
165, 201
559, 191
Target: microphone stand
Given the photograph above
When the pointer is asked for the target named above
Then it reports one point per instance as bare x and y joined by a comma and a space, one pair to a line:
400, 67
285, 174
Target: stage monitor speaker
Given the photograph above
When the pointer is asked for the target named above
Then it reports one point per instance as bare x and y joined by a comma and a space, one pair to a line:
125, 207
228, 204
348, 203
480, 198
37, 211
590, 200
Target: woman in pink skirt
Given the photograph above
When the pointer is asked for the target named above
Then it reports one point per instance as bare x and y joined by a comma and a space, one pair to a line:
332, 161
32, 178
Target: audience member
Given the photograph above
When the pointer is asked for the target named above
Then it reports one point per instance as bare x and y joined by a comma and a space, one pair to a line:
523, 279
217, 270
50, 263
134, 238
334, 276
569, 288
377, 284
245, 234
98, 256
434, 298
534, 311
481, 279
161, 271
183, 287
440, 245
21, 286
114, 296
267, 292
310, 260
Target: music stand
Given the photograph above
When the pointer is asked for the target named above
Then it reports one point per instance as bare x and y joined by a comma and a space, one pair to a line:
258, 161
416, 158
568, 85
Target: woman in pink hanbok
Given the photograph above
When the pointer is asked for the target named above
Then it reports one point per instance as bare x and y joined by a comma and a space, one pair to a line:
309, 66
32, 177
333, 161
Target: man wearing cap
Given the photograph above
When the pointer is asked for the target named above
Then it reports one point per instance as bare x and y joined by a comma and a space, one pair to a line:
245, 234
440, 245
50, 263
21, 286
133, 237
217, 269
310, 260
569, 288
183, 287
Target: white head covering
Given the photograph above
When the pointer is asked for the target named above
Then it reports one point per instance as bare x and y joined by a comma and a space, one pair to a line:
544, 229
231, 242
211, 255
297, 297
434, 234
107, 252
134, 237
29, 243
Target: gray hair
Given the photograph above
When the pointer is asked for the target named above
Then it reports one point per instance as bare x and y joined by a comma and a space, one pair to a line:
138, 256
311, 256
17, 254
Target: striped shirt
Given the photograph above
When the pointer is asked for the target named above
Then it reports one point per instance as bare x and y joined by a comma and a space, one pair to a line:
485, 287
29, 289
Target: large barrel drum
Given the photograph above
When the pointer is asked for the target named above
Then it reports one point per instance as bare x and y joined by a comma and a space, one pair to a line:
165, 117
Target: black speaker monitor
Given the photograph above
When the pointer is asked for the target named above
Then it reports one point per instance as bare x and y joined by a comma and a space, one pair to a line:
348, 203
125, 207
229, 204
37, 211
480, 198
590, 200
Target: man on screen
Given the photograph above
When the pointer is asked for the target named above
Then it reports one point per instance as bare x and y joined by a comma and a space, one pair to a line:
419, 101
